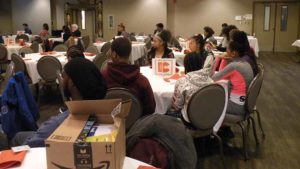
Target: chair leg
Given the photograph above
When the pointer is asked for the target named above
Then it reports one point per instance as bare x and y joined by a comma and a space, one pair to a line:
245, 144
254, 130
221, 149
260, 124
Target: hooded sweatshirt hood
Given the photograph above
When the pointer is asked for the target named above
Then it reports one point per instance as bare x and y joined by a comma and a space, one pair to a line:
123, 73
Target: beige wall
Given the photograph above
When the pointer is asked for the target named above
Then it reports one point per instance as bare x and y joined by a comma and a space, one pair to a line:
5, 17
190, 16
33, 12
137, 15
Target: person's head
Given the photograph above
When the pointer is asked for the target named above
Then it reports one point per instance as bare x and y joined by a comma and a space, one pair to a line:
120, 50
121, 27
65, 28
74, 52
224, 25
208, 31
161, 39
25, 25
196, 43
159, 27
45, 26
82, 80
227, 31
74, 27
235, 50
242, 38
192, 62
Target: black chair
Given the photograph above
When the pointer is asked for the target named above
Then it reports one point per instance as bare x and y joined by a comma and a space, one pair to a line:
105, 48
204, 110
35, 47
99, 60
8, 74
251, 97
3, 57
136, 107
86, 41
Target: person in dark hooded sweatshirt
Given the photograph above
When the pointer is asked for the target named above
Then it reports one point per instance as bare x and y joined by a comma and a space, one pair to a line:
120, 73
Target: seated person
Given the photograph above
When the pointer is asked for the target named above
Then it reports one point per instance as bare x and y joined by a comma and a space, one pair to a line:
222, 47
67, 33
27, 30
239, 74
44, 34
209, 35
82, 81
122, 31
75, 32
120, 73
249, 56
74, 52
160, 46
224, 25
196, 45
159, 28
196, 77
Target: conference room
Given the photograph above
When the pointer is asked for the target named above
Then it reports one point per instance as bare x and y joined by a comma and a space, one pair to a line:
149, 84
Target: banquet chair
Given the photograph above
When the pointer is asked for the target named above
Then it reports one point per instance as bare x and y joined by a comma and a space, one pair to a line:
22, 36
47, 67
19, 63
60, 84
175, 43
3, 57
8, 74
86, 41
92, 49
206, 111
136, 107
26, 50
132, 38
104, 64
251, 97
106, 47
35, 47
99, 60
261, 70
60, 48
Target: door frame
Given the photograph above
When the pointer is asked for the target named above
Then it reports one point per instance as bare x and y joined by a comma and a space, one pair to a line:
276, 2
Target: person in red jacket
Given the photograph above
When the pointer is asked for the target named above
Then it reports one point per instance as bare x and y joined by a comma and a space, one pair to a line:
120, 73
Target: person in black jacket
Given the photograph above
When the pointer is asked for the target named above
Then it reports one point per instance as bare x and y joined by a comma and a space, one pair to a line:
75, 31
160, 46
67, 33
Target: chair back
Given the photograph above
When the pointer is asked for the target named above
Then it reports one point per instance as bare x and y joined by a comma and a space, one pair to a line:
253, 91
86, 40
9, 73
105, 48
3, 52
18, 63
99, 60
35, 47
26, 50
132, 38
60, 83
92, 49
206, 106
47, 67
148, 44
60, 48
104, 64
136, 106
22, 36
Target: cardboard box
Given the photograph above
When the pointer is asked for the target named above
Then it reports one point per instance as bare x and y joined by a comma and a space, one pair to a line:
62, 150
164, 66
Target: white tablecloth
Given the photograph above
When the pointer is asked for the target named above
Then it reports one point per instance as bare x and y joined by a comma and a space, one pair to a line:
15, 49
36, 159
252, 41
296, 43
56, 40
32, 59
162, 90
31, 37
137, 51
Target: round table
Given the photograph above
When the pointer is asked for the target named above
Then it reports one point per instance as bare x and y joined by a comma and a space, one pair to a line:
36, 159
32, 59
137, 51
56, 40
162, 90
